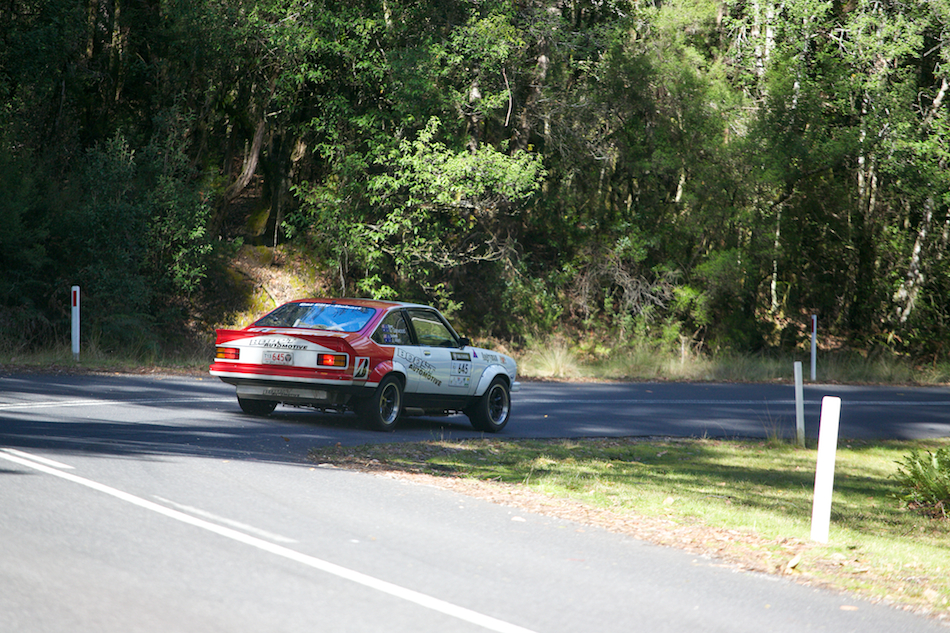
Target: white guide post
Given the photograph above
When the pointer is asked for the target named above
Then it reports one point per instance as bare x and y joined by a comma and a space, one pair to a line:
825, 470
814, 347
75, 315
799, 405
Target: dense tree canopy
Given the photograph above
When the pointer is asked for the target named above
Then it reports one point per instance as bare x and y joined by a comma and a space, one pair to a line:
704, 170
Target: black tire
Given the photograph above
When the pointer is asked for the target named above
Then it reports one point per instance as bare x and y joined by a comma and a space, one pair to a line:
492, 410
381, 410
257, 407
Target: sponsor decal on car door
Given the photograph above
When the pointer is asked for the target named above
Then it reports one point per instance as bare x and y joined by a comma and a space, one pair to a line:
361, 368
425, 373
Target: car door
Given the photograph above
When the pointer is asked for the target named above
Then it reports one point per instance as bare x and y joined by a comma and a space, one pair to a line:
438, 366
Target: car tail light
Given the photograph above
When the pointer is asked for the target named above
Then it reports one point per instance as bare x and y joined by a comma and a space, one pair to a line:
227, 353
331, 360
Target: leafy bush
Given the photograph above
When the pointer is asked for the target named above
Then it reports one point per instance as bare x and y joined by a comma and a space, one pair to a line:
925, 481
23, 327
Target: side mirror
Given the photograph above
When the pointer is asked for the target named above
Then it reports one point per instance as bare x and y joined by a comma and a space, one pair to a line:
464, 341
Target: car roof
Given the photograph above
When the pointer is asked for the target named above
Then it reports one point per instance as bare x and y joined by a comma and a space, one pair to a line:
363, 303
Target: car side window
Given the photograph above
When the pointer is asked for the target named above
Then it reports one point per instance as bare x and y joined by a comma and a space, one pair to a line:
392, 330
430, 330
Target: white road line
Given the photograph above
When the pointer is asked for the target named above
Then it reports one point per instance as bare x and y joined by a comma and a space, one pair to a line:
415, 597
52, 403
277, 538
37, 458
90, 402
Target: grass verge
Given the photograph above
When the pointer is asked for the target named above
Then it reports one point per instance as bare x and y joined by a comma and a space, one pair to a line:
556, 358
746, 502
59, 360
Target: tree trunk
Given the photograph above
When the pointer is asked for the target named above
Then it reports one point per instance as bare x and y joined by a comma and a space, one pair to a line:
763, 34
251, 159
773, 285
906, 295
91, 8
117, 52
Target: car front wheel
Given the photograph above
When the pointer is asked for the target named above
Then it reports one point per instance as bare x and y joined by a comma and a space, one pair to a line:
381, 410
257, 407
492, 410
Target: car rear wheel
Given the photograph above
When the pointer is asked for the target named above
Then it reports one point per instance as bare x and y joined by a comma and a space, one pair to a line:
381, 410
257, 407
491, 412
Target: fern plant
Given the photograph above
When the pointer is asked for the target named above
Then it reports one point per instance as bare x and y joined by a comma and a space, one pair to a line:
925, 481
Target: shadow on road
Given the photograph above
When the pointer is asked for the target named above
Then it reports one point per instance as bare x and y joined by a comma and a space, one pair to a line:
160, 416
136, 416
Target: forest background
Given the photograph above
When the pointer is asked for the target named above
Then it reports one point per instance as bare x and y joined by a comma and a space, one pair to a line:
687, 173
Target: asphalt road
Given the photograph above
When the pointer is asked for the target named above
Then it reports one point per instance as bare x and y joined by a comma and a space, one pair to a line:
135, 503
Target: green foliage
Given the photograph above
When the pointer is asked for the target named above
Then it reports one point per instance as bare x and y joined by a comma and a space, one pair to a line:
137, 239
444, 208
925, 481
470, 184
696, 172
23, 230
436, 212
529, 306
724, 280
107, 236
179, 212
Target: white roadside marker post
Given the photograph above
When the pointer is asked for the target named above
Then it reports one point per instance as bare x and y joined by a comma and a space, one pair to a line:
75, 318
799, 405
825, 470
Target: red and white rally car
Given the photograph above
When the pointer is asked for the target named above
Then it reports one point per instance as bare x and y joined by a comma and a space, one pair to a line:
378, 358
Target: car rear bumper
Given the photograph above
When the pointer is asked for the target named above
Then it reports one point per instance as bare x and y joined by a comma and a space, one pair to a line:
293, 390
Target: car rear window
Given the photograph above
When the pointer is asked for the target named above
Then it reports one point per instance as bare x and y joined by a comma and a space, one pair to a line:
318, 316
